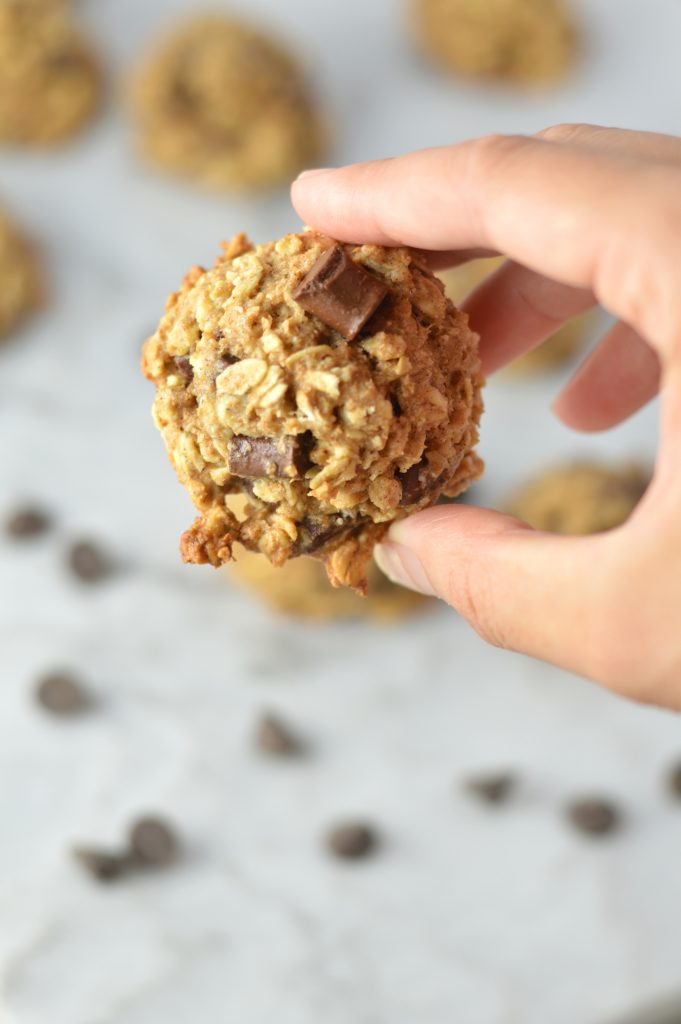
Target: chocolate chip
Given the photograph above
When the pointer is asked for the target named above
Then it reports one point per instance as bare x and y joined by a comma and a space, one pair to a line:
287, 457
88, 562
184, 368
27, 522
103, 865
394, 401
275, 737
223, 361
61, 693
340, 292
410, 481
493, 789
675, 781
594, 816
352, 840
152, 843
314, 533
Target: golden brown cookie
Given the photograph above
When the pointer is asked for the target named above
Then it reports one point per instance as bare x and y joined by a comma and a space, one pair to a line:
49, 83
300, 588
218, 101
528, 41
556, 351
334, 386
21, 282
580, 498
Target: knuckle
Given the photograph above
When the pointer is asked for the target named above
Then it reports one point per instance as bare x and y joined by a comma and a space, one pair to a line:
568, 132
488, 152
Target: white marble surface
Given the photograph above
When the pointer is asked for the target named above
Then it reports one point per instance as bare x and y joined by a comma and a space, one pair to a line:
465, 915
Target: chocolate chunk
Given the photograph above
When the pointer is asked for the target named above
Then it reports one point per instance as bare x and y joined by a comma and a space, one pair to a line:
27, 522
394, 401
412, 488
223, 361
286, 457
184, 368
352, 840
340, 292
594, 816
103, 865
88, 562
493, 789
275, 737
61, 693
314, 533
675, 781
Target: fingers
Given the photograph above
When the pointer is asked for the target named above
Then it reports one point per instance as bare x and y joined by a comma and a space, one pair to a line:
619, 377
529, 592
586, 218
514, 310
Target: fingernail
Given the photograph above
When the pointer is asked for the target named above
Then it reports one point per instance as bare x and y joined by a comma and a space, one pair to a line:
313, 172
401, 565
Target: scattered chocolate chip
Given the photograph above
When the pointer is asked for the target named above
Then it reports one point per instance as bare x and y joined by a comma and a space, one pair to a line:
287, 457
27, 522
594, 816
184, 368
675, 781
340, 292
103, 865
493, 789
152, 843
61, 693
352, 840
89, 562
275, 737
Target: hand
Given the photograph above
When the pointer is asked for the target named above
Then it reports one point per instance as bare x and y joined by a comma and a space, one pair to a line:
585, 215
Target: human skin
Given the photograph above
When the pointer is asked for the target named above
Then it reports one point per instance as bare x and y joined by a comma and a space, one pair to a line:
585, 215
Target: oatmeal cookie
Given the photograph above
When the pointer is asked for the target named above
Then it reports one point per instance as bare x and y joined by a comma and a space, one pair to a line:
21, 283
336, 387
580, 498
558, 350
49, 83
300, 588
219, 102
529, 41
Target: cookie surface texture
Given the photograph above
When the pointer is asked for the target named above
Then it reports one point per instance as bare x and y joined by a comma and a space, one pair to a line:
533, 42
217, 101
21, 280
49, 81
328, 439
581, 498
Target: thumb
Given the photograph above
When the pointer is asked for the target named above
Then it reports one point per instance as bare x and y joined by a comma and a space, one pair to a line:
544, 595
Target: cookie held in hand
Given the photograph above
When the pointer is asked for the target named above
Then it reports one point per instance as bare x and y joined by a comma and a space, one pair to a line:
335, 387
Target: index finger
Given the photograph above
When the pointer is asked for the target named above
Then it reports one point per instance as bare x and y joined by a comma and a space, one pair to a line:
601, 220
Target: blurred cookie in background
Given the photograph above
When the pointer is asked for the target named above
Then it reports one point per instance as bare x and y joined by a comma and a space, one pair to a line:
220, 102
300, 588
557, 351
533, 42
21, 289
49, 81
580, 498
